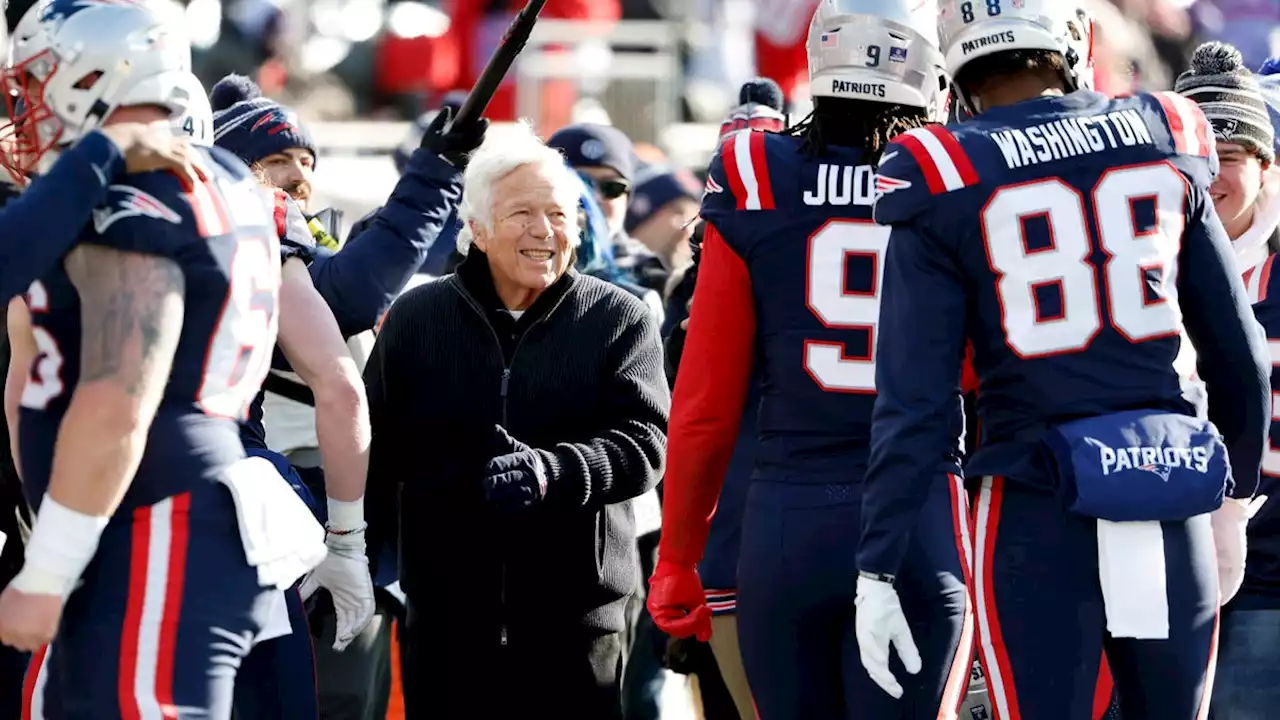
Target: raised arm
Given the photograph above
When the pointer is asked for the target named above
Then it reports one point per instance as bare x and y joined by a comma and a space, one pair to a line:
360, 282
132, 312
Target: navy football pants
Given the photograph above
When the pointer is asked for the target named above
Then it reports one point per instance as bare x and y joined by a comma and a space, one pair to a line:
1042, 625
278, 679
167, 610
796, 578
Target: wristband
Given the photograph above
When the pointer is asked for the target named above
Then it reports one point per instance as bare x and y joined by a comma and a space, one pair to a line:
878, 577
62, 543
345, 517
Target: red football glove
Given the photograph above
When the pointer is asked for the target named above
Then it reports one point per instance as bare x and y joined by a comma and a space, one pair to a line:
677, 602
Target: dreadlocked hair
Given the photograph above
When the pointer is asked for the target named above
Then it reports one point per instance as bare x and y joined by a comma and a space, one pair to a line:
855, 123
1000, 66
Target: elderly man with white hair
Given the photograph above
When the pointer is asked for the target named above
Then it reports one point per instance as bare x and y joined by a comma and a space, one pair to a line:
517, 408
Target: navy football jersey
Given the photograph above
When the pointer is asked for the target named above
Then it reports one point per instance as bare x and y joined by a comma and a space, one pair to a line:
802, 229
1073, 241
220, 234
788, 283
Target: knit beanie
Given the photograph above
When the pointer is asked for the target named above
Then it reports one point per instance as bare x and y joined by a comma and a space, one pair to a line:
250, 126
1230, 97
657, 185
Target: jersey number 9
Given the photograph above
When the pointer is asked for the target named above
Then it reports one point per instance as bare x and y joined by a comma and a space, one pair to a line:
835, 306
1138, 275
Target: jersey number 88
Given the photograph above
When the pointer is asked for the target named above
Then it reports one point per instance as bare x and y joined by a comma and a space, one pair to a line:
1139, 274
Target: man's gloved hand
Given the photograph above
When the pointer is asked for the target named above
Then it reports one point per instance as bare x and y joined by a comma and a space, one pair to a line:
516, 478
677, 602
457, 144
1229, 524
879, 623
345, 574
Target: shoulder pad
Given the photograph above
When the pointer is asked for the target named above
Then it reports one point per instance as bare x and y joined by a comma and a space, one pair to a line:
738, 179
1187, 135
146, 197
917, 165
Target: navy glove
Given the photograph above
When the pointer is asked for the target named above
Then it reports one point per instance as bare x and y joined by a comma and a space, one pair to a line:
515, 479
457, 143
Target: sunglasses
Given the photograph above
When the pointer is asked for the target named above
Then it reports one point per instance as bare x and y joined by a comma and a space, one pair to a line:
608, 189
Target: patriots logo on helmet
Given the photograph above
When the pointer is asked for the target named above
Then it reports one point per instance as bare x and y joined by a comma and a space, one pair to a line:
127, 202
63, 9
279, 120
1158, 469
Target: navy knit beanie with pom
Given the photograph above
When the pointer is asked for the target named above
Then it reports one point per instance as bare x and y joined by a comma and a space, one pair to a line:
251, 126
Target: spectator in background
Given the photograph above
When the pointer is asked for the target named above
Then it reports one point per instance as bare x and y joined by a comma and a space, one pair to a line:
517, 407
662, 212
1231, 98
604, 158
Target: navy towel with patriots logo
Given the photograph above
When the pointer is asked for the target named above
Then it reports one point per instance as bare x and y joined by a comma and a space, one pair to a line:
1140, 465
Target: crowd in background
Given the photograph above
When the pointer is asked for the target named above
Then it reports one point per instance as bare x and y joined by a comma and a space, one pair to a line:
341, 59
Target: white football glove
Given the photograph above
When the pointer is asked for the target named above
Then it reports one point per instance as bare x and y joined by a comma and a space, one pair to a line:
1229, 524
345, 574
879, 623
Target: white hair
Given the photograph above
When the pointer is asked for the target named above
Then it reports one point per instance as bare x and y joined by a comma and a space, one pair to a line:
505, 150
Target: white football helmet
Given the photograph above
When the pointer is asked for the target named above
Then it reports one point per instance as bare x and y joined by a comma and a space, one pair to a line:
970, 29
73, 62
196, 122
879, 50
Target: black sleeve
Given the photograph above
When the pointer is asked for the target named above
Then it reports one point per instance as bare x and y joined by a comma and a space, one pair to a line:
625, 460
382, 487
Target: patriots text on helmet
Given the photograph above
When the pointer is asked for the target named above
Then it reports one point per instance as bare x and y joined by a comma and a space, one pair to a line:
858, 88
1071, 137
1000, 38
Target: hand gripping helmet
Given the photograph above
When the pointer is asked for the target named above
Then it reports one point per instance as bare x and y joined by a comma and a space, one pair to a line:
879, 50
196, 121
970, 29
73, 62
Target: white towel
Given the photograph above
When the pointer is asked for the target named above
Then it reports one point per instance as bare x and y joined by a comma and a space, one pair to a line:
277, 624
281, 537
1132, 571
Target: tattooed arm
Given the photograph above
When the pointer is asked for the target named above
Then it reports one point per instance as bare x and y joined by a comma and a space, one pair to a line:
131, 314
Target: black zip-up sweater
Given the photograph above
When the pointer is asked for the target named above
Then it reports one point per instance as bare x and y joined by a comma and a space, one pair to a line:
579, 378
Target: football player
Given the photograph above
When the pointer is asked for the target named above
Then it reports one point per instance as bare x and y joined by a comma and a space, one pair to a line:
1072, 239
143, 350
789, 280
280, 680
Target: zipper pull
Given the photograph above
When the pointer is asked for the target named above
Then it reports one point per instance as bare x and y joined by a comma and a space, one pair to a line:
506, 378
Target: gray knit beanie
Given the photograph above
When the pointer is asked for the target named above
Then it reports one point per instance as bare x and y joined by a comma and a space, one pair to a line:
1230, 97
